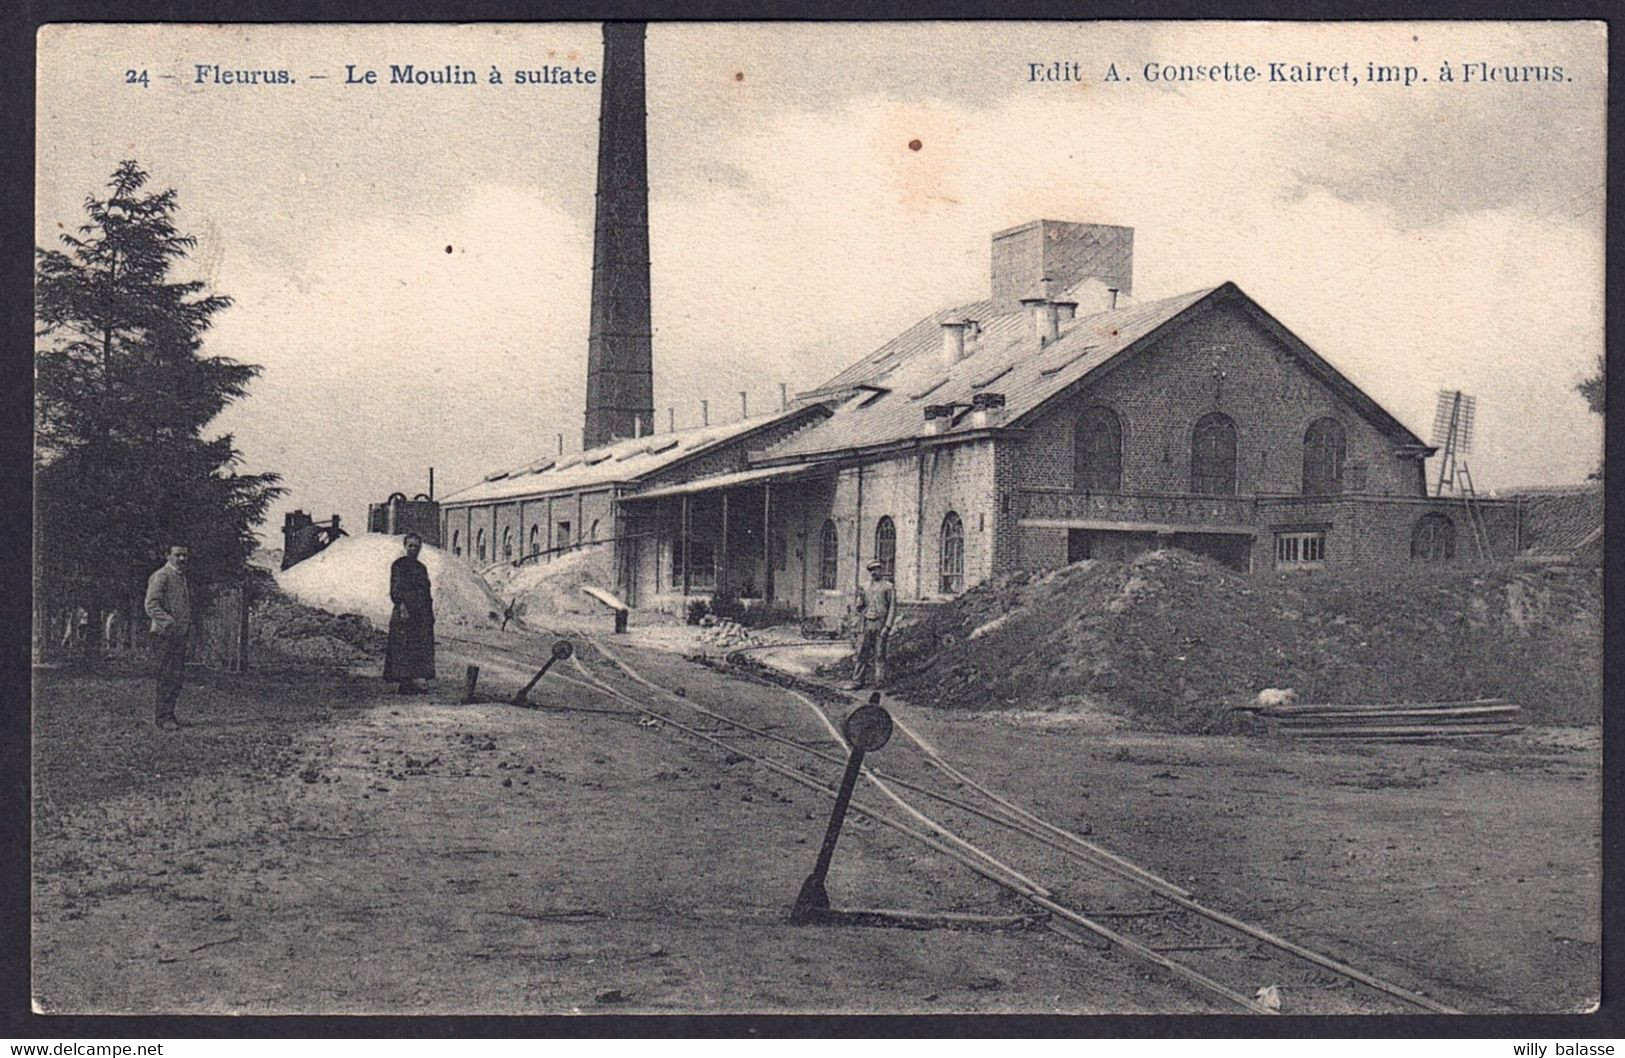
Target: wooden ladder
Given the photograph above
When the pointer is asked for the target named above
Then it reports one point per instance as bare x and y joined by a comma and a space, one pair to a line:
1475, 515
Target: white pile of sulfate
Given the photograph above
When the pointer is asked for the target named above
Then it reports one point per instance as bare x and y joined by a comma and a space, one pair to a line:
352, 576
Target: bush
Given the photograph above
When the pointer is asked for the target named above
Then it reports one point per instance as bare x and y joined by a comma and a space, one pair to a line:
728, 608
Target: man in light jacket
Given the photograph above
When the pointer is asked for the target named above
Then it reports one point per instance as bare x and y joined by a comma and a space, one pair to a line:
877, 613
169, 604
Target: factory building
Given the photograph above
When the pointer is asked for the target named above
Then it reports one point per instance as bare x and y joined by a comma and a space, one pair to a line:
1056, 420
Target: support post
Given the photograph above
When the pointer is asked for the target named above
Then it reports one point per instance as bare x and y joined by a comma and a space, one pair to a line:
687, 567
720, 572
857, 537
919, 532
767, 544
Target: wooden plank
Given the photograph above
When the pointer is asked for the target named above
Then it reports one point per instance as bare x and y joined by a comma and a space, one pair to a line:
1462, 721
604, 597
1401, 732
878, 916
1467, 712
1320, 707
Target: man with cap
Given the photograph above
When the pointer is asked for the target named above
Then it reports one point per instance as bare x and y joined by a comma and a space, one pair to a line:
877, 613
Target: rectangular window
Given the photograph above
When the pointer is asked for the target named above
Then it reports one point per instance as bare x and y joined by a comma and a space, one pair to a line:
702, 574
1300, 550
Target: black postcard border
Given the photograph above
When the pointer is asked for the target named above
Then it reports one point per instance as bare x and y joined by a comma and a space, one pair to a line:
17, 91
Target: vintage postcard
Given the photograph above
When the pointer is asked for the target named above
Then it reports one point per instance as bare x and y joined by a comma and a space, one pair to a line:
925, 518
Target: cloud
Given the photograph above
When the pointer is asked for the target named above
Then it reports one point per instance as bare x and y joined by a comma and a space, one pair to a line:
1417, 240
384, 353
841, 236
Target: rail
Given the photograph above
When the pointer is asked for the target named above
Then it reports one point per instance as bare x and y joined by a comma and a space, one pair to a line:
1066, 921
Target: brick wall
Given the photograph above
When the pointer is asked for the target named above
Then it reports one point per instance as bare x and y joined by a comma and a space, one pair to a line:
1160, 395
1373, 531
957, 478
917, 491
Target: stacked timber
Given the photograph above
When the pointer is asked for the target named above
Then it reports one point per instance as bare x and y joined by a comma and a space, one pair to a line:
1402, 721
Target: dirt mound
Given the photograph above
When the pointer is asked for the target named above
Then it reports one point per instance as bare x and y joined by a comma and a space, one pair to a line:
548, 589
1173, 640
280, 624
352, 577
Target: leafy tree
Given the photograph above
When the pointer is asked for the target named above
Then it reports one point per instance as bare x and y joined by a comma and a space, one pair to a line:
123, 395
1592, 387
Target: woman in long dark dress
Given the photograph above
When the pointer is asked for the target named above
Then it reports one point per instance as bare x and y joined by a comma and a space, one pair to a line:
410, 654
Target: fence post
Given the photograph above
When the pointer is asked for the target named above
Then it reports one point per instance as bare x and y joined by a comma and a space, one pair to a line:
242, 627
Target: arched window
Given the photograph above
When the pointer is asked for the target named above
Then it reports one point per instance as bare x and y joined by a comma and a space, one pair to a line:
456, 542
592, 533
507, 545
1324, 447
1097, 451
1213, 456
953, 554
886, 548
535, 539
1433, 539
479, 544
829, 557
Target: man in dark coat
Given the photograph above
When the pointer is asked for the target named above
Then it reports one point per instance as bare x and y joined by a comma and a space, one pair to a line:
410, 654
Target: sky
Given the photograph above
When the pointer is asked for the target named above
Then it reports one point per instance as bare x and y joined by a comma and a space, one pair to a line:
1437, 236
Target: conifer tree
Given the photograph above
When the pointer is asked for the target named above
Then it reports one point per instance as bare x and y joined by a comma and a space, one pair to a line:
124, 395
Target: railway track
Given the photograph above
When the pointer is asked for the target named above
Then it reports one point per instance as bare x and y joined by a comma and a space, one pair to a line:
1090, 894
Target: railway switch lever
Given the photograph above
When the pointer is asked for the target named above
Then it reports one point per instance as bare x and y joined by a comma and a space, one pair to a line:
867, 728
561, 650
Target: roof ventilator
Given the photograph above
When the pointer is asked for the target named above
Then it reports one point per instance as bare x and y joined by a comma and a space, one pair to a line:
987, 409
1046, 318
953, 341
938, 417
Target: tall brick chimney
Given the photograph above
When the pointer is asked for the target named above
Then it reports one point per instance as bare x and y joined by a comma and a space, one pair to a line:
620, 361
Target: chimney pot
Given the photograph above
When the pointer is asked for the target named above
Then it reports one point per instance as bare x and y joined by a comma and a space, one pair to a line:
561, 444
987, 409
1068, 310
637, 426
784, 396
1113, 292
744, 404
953, 341
671, 420
705, 413
1046, 319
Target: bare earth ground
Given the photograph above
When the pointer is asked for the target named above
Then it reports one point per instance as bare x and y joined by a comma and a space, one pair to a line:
312, 844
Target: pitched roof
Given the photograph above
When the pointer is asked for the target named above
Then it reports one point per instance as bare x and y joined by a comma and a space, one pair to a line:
925, 336
732, 479
1003, 360
1559, 520
886, 393
619, 462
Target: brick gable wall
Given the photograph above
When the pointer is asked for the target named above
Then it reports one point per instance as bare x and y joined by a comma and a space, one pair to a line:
1161, 393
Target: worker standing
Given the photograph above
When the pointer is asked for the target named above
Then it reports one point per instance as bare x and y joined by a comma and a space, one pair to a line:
876, 613
169, 605
409, 655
